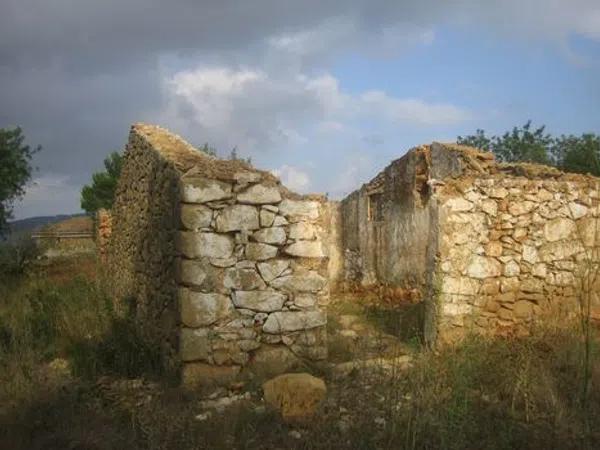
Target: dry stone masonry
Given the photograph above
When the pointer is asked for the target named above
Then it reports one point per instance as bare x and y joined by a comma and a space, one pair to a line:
228, 273
226, 267
492, 246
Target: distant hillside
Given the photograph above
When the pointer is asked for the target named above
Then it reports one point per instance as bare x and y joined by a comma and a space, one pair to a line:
30, 224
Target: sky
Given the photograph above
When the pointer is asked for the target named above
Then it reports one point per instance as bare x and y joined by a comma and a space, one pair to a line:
323, 93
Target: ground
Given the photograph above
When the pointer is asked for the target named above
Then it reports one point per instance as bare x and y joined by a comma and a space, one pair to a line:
75, 375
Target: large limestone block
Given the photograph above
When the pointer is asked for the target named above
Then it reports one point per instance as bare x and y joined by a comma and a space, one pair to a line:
302, 230
196, 245
244, 279
194, 217
202, 190
200, 374
288, 321
273, 235
269, 270
306, 282
260, 194
199, 309
296, 396
483, 267
247, 177
558, 229
194, 344
260, 252
237, 217
306, 249
262, 301
299, 209
200, 273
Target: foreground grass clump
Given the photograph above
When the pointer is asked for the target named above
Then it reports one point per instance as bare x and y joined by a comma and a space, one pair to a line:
51, 313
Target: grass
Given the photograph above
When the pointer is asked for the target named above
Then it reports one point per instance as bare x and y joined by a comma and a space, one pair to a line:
73, 374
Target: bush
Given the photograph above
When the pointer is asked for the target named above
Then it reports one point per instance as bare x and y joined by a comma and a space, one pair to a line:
16, 255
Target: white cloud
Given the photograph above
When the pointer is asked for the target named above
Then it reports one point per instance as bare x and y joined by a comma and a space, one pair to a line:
293, 178
257, 111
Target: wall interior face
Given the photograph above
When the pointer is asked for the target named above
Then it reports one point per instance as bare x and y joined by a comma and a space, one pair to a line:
244, 261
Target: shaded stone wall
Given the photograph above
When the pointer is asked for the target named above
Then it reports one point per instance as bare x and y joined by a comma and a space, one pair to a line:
385, 223
228, 269
142, 252
103, 225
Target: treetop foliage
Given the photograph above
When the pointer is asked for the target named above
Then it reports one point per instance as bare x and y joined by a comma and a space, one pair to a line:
101, 193
570, 153
15, 170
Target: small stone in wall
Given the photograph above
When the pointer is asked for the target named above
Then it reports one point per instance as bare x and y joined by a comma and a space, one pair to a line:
304, 282
260, 194
493, 248
194, 217
558, 229
459, 204
260, 252
199, 309
299, 209
237, 217
280, 221
273, 235
305, 300
244, 279
512, 269
194, 344
195, 245
247, 177
523, 309
262, 301
266, 218
483, 267
577, 210
202, 190
287, 321
305, 249
270, 270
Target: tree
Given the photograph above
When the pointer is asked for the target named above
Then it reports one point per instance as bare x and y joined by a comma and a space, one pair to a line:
101, 193
580, 154
15, 170
520, 144
210, 151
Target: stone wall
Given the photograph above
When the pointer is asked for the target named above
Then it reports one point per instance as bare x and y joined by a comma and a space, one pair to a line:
490, 246
515, 243
226, 267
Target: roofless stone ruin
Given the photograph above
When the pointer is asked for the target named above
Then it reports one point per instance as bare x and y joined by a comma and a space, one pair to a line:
228, 272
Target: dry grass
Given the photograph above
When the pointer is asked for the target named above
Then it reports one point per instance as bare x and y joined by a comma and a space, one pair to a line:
74, 375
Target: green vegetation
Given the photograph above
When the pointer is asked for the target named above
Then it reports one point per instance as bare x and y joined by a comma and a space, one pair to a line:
580, 154
15, 170
101, 193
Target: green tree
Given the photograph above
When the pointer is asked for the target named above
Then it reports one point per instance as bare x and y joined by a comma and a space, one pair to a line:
15, 170
520, 144
580, 154
101, 193
211, 151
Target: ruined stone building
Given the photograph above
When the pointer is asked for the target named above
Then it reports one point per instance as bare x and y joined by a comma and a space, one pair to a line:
226, 270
